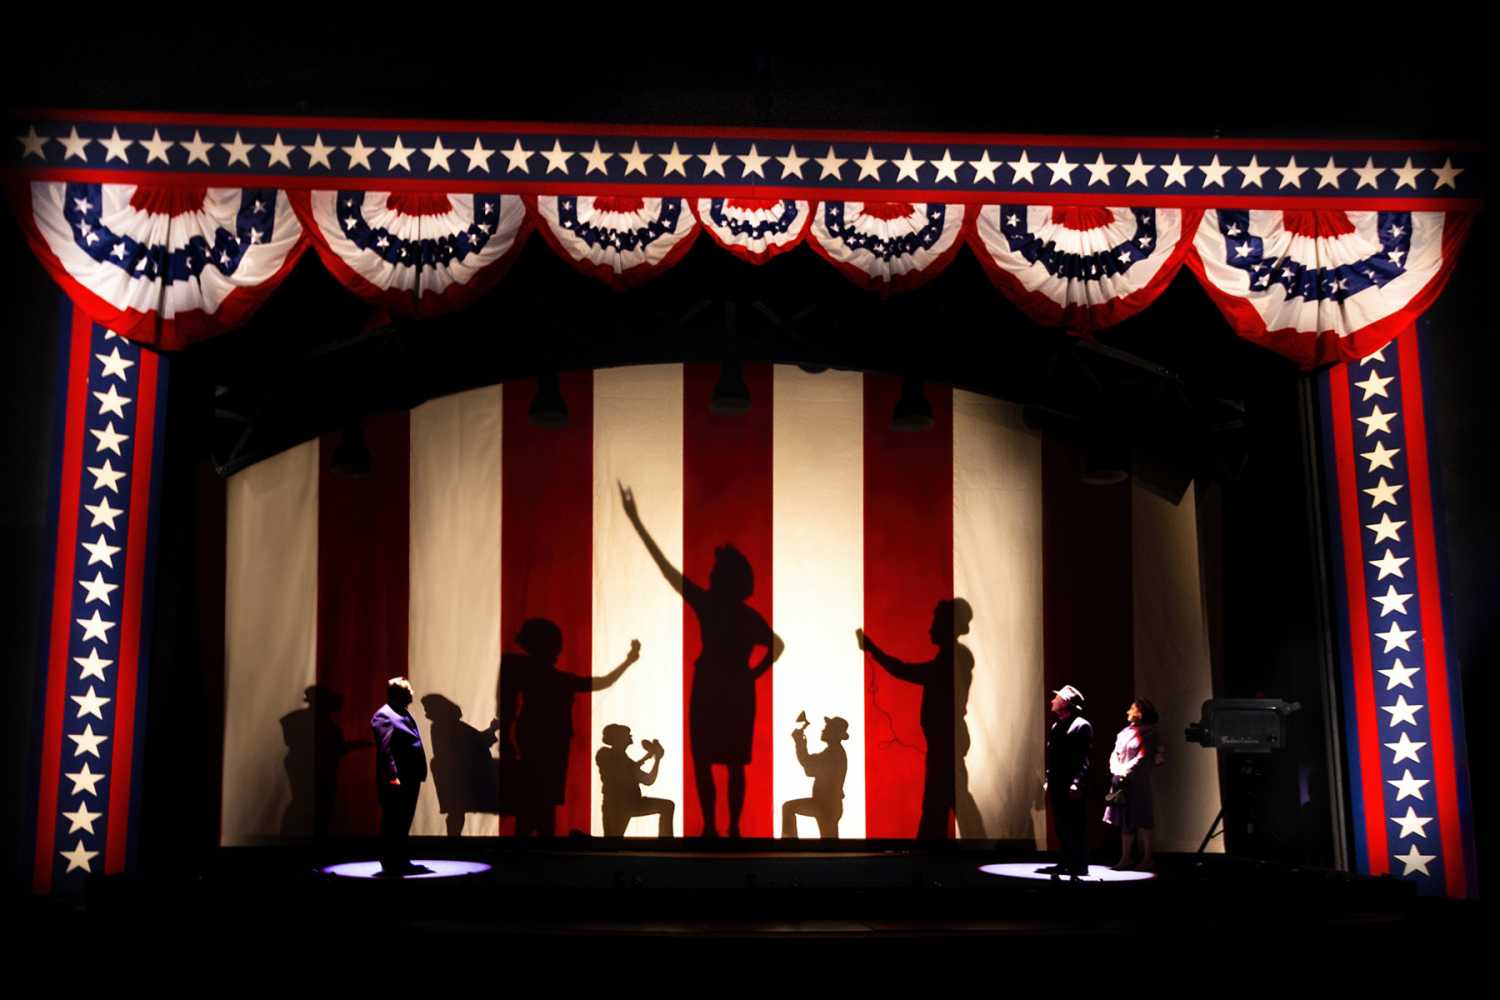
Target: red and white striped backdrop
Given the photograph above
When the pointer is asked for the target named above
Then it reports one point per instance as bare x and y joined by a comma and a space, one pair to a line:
475, 521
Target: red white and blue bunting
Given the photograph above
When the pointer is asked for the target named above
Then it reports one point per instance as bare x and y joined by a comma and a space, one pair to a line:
163, 266
1321, 287
887, 246
755, 229
620, 240
415, 253
1081, 267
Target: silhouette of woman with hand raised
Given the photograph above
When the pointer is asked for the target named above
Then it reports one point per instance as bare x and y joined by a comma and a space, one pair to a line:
721, 706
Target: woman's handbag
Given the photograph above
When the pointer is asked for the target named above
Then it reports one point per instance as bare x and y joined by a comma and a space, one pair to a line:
1116, 794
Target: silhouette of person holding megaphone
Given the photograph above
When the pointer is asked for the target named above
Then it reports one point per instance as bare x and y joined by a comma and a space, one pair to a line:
827, 769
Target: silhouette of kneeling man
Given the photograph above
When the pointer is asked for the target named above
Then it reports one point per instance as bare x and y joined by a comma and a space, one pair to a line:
621, 778
827, 769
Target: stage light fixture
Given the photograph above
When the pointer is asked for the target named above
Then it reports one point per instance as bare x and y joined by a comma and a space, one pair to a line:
913, 412
351, 459
731, 394
548, 408
1105, 463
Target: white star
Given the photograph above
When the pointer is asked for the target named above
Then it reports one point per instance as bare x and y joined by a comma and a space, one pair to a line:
1399, 674
1375, 386
1250, 174
1412, 825
1391, 602
106, 476
1213, 173
95, 627
1022, 169
1373, 357
946, 167
1386, 530
32, 144
1408, 787
1403, 712
1328, 175
84, 781
1381, 457
870, 165
114, 364
90, 704
437, 154
1383, 492
713, 160
1139, 171
1407, 176
1176, 171
675, 162
557, 157
1406, 748
1378, 422
1415, 861
97, 589
75, 145
1389, 565
479, 155
1369, 174
752, 163
115, 147
101, 551
82, 819
317, 153
276, 152
103, 512
79, 858
109, 440
907, 167
398, 155
238, 150
791, 164
1447, 174
1099, 171
93, 665
1395, 638
197, 149
1396, 255
87, 742
985, 167
832, 166
1062, 169
359, 153
1291, 174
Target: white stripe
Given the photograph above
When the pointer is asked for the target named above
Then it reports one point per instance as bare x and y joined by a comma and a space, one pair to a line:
997, 568
270, 643
638, 441
454, 636
818, 559
1172, 663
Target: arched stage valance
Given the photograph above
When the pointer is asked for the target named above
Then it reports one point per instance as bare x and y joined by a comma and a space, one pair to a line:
172, 228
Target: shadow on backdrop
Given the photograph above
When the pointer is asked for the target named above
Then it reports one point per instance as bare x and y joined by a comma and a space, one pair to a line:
620, 779
464, 775
315, 747
945, 681
827, 768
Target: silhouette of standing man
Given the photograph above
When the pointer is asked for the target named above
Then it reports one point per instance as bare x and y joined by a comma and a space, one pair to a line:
1068, 743
621, 778
400, 769
945, 681
827, 769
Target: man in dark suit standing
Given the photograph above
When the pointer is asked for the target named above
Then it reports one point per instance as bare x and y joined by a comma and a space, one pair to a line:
400, 769
1068, 743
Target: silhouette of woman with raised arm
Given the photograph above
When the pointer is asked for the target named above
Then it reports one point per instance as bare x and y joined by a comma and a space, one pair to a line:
536, 702
721, 706
945, 681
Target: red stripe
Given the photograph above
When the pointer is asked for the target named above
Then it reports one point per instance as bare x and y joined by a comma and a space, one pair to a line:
547, 549
812, 190
1368, 742
64, 576
726, 500
122, 756
1429, 593
1088, 624
908, 555
363, 578
713, 132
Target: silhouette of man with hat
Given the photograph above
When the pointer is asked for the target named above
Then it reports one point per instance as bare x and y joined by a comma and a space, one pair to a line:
827, 769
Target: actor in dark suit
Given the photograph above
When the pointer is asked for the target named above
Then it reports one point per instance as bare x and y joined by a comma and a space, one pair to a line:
1068, 743
400, 769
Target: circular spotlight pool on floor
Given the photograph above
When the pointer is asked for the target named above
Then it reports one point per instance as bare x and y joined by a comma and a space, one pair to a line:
1038, 870
435, 869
